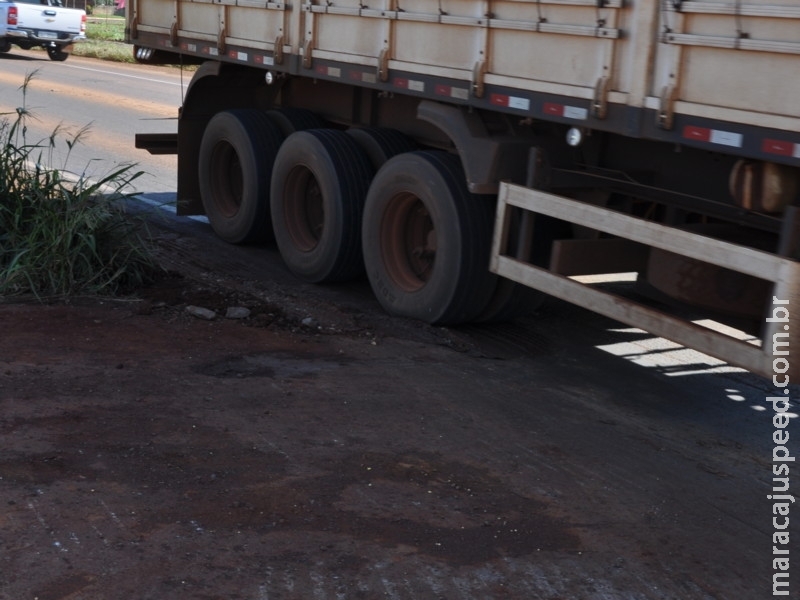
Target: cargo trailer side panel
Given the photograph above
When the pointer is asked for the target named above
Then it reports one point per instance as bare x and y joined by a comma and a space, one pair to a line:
733, 61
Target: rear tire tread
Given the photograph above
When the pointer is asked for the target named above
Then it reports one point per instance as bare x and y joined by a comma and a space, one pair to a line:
337, 258
381, 143
264, 139
460, 284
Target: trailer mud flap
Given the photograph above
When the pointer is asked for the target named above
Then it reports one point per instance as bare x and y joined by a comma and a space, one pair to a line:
756, 355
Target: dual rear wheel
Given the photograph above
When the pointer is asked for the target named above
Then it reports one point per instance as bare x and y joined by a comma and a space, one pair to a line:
427, 240
340, 203
235, 168
319, 182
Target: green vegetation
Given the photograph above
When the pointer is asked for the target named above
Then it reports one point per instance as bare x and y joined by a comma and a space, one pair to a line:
105, 50
110, 29
105, 37
62, 235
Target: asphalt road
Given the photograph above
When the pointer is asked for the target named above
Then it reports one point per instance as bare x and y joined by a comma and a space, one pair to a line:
115, 101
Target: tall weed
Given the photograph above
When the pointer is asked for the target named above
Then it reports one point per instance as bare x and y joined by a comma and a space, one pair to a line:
60, 234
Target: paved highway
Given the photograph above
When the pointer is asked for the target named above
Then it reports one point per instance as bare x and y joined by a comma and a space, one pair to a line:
115, 100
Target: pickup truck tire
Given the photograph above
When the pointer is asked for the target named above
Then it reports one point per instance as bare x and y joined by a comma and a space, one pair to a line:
427, 240
56, 53
5, 46
235, 167
319, 184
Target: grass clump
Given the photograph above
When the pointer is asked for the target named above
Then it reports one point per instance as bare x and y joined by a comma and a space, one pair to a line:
108, 28
111, 29
105, 40
62, 235
105, 50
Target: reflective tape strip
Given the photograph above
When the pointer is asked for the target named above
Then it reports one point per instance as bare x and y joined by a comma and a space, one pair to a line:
713, 136
452, 92
329, 71
409, 84
781, 148
364, 76
510, 101
568, 112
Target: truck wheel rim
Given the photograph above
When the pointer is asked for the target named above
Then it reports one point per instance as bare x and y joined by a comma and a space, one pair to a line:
227, 182
408, 242
304, 209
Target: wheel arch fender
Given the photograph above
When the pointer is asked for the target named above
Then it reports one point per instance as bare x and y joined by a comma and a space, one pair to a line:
214, 87
487, 159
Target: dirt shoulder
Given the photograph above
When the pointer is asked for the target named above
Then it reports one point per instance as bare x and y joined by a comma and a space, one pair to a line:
319, 449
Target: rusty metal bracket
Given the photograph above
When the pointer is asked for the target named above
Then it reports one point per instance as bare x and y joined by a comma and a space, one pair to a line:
307, 50
173, 30
221, 45
173, 33
277, 50
666, 109
383, 65
478, 75
600, 102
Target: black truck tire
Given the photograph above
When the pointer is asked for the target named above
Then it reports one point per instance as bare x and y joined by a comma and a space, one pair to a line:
294, 119
512, 300
235, 167
319, 184
381, 143
427, 240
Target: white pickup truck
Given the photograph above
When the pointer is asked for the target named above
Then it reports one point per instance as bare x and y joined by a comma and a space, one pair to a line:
45, 23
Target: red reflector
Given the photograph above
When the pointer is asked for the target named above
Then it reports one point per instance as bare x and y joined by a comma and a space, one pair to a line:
701, 134
778, 147
499, 100
551, 108
442, 90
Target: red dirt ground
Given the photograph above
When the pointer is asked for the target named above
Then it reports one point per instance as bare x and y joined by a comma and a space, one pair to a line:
149, 454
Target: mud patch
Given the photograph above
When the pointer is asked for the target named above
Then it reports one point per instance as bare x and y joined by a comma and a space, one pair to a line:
280, 366
417, 504
65, 587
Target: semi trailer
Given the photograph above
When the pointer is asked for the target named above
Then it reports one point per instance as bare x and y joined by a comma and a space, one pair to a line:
640, 158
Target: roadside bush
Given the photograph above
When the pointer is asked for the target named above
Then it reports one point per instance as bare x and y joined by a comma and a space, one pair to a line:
60, 234
105, 50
